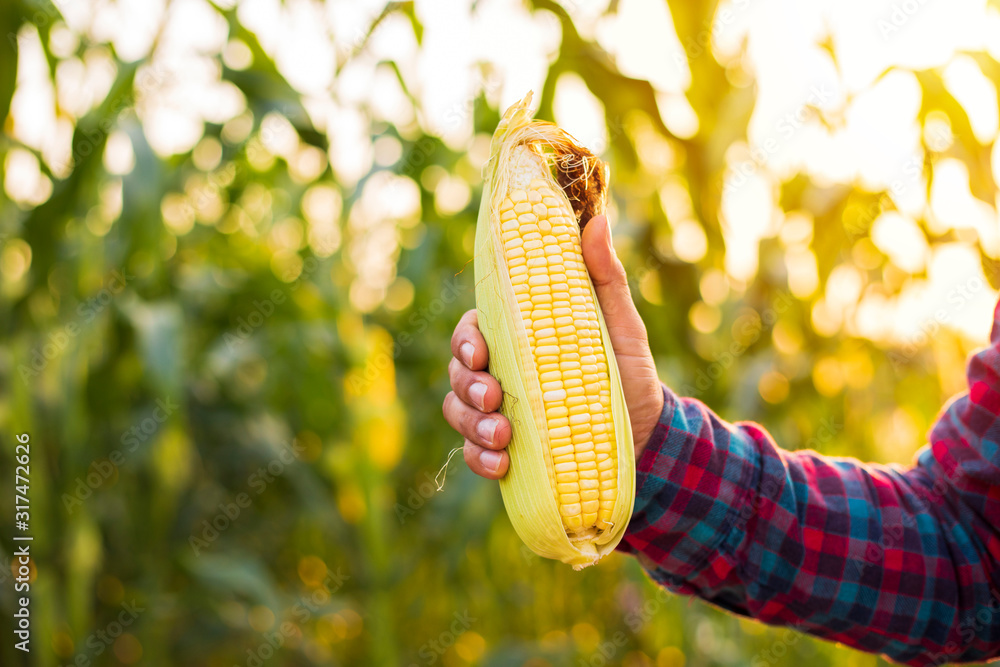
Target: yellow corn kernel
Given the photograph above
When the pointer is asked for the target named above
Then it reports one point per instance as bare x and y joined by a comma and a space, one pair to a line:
569, 331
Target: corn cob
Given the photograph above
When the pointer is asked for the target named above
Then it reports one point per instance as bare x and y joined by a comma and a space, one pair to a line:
569, 489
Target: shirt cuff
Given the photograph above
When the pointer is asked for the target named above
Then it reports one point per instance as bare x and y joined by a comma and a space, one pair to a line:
643, 489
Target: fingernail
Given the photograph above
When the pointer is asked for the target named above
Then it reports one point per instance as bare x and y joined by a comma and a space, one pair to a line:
468, 350
490, 459
477, 393
486, 428
607, 232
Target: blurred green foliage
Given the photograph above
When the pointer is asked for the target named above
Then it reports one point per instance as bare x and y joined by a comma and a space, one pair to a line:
233, 447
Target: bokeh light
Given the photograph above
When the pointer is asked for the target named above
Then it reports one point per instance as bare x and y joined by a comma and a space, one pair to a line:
258, 218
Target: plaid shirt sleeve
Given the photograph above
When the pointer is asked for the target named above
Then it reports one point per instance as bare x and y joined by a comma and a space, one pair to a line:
899, 561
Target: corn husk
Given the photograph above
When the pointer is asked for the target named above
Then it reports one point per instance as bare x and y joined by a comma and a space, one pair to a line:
527, 491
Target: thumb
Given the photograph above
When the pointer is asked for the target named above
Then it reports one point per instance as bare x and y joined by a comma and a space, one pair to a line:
628, 334
611, 284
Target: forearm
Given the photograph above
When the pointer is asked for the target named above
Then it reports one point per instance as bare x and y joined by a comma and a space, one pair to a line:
878, 558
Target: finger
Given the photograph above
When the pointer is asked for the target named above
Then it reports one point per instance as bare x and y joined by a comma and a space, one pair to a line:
611, 284
488, 430
476, 388
485, 462
468, 344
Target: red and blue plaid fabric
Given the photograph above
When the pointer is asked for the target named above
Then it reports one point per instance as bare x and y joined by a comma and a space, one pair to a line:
899, 561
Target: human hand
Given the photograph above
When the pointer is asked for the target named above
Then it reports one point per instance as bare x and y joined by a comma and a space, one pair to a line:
471, 407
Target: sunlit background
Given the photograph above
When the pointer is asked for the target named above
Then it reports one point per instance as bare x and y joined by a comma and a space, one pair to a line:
228, 227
